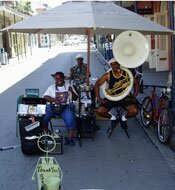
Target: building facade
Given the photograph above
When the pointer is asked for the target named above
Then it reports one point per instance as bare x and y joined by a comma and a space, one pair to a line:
12, 43
160, 45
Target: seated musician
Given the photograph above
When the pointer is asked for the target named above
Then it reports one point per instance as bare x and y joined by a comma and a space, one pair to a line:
58, 94
78, 72
78, 75
114, 77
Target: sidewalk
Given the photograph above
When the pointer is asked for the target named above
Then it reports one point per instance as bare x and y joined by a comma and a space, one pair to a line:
24, 66
151, 77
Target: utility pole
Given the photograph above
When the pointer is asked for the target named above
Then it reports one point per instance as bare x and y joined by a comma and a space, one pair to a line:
171, 8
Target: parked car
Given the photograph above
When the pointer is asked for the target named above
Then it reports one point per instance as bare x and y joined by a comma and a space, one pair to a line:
71, 41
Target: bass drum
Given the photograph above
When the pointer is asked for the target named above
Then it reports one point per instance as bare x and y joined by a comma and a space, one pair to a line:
126, 89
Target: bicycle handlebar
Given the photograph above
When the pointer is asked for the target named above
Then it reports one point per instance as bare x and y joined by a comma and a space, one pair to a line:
165, 89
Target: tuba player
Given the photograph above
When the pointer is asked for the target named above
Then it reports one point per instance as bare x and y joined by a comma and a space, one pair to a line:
118, 80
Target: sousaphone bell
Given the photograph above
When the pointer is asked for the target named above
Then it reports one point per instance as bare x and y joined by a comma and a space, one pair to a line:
130, 50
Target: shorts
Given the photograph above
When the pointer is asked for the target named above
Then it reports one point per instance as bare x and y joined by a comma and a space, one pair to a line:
127, 101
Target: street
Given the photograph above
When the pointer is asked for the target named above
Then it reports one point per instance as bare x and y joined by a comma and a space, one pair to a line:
117, 163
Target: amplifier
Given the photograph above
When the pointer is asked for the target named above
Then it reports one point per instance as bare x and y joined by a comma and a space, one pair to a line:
59, 145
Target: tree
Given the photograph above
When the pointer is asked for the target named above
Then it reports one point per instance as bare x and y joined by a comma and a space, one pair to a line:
24, 7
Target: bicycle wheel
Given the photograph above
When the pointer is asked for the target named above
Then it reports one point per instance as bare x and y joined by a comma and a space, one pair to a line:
146, 112
164, 126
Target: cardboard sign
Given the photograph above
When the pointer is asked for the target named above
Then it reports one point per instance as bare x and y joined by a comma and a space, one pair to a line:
49, 173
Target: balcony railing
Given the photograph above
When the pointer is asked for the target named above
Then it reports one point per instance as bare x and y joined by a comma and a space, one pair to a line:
13, 11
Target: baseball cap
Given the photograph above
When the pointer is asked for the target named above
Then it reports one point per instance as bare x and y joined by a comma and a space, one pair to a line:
112, 60
79, 56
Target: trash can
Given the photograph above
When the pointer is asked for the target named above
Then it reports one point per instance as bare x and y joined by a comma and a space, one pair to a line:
3, 58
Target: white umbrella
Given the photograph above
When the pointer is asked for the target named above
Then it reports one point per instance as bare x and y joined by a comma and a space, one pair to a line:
77, 17
85, 17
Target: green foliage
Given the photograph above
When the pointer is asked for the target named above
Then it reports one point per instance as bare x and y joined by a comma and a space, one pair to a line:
24, 7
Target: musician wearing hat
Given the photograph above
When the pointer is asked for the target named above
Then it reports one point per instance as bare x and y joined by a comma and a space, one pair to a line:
78, 75
118, 81
78, 72
58, 100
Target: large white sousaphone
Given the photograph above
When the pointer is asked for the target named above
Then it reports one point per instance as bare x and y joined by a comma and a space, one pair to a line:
130, 50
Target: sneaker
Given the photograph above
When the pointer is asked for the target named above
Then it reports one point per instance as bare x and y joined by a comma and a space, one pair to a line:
124, 125
71, 142
113, 117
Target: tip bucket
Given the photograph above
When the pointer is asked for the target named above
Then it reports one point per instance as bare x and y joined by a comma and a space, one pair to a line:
52, 183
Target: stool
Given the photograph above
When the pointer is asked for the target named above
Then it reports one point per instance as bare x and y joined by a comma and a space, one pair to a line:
114, 123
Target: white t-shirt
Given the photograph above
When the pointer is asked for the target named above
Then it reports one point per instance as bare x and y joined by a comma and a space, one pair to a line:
61, 92
58, 91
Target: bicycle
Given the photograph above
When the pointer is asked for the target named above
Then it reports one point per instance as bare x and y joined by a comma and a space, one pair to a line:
156, 110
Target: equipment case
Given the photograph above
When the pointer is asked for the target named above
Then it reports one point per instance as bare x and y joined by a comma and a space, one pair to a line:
29, 137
